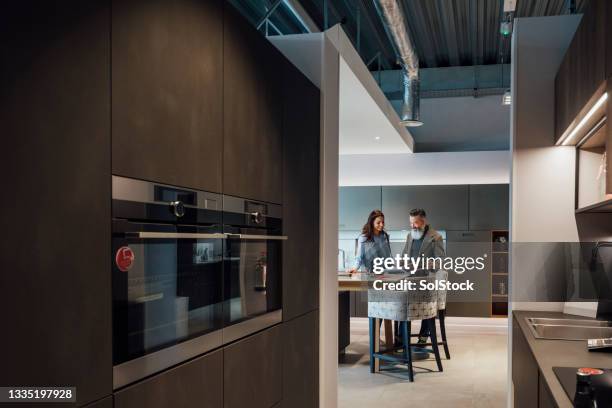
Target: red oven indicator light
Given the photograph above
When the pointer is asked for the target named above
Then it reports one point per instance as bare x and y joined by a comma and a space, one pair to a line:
124, 258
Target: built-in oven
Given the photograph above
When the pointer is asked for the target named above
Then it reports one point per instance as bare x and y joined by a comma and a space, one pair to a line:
167, 276
252, 265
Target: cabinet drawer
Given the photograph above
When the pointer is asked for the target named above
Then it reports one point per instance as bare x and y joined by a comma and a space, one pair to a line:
198, 383
253, 371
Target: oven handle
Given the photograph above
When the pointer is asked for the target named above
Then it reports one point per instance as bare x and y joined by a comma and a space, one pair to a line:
260, 237
179, 235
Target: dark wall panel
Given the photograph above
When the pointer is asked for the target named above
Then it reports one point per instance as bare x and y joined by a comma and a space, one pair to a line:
55, 169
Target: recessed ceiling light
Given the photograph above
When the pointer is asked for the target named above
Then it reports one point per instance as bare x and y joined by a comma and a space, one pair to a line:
377, 138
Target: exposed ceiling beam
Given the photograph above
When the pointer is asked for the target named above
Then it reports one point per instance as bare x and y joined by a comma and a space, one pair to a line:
299, 11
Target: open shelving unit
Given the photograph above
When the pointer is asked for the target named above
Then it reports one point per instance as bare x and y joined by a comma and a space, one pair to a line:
499, 273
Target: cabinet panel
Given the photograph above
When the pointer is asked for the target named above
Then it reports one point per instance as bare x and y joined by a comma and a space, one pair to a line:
252, 371
300, 194
489, 207
524, 370
167, 91
252, 110
355, 204
583, 68
608, 27
103, 403
198, 383
446, 206
300, 362
55, 167
545, 398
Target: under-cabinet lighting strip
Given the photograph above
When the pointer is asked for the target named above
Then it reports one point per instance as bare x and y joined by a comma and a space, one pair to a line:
565, 141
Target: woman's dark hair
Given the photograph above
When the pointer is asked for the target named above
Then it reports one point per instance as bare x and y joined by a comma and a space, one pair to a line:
368, 228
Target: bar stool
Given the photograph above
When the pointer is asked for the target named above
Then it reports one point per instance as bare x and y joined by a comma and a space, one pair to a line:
403, 307
440, 276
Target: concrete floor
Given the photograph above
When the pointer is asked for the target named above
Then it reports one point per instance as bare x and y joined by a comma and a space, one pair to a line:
475, 376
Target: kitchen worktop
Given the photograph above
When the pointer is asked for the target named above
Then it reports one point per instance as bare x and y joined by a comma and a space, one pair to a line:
559, 353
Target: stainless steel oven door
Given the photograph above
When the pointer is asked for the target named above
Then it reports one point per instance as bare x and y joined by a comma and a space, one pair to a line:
252, 283
167, 296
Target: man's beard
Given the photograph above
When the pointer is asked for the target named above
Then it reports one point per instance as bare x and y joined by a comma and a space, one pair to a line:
417, 233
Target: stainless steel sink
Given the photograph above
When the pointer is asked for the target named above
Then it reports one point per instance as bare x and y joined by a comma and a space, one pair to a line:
569, 322
569, 329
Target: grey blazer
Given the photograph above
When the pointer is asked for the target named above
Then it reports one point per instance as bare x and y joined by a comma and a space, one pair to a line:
432, 246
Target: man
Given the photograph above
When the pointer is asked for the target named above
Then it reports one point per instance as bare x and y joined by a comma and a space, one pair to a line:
423, 240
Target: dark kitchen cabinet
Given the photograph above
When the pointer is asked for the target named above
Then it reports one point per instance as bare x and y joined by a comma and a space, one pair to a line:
55, 170
608, 24
253, 370
301, 361
300, 194
252, 111
197, 383
103, 403
545, 398
167, 87
446, 206
489, 206
583, 68
525, 373
355, 204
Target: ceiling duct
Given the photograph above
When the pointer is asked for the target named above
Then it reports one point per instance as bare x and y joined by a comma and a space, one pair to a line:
393, 19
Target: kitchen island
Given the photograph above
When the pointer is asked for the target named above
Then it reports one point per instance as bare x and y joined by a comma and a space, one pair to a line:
535, 383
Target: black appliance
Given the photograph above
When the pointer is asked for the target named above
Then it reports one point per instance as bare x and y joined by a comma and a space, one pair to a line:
183, 283
602, 384
252, 266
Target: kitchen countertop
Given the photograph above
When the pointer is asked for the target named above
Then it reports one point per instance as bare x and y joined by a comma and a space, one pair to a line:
559, 353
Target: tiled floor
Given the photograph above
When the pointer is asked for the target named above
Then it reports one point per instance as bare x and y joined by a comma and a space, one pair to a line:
475, 376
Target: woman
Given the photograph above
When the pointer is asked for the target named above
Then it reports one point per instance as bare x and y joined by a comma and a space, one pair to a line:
373, 242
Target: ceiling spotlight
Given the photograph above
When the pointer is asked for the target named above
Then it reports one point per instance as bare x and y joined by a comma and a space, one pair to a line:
507, 98
377, 138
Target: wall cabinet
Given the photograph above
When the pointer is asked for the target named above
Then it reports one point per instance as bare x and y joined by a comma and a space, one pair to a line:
583, 68
167, 87
300, 194
55, 170
198, 383
355, 204
301, 361
252, 111
446, 206
253, 370
489, 207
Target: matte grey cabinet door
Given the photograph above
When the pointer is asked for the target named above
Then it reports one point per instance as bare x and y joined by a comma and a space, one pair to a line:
301, 361
253, 370
55, 175
461, 244
355, 204
489, 206
167, 86
197, 383
252, 111
300, 194
446, 206
524, 370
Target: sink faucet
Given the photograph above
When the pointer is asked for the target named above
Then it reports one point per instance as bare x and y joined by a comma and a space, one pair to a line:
341, 255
